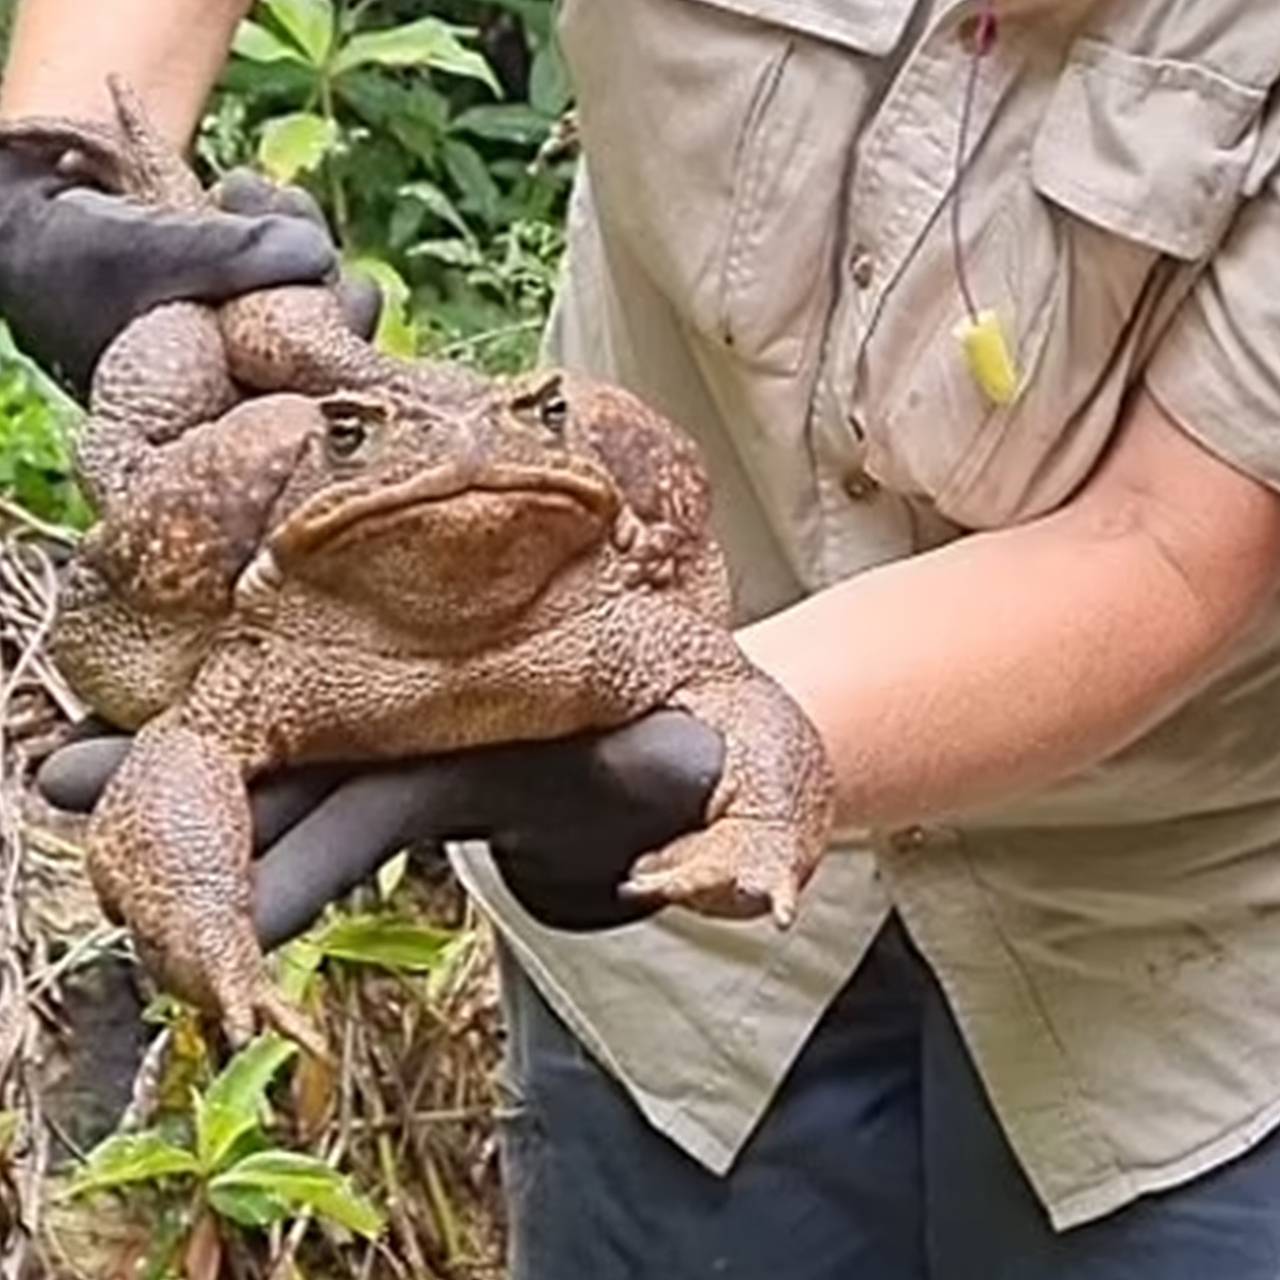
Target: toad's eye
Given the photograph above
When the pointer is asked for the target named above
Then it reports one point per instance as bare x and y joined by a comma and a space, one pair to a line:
345, 436
553, 412
348, 425
547, 405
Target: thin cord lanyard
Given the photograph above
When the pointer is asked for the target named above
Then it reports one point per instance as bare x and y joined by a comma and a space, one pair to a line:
986, 351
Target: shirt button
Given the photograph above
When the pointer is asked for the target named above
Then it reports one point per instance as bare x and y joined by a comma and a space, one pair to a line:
907, 839
862, 266
859, 486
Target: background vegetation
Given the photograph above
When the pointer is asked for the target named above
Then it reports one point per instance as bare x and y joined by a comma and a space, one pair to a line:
433, 136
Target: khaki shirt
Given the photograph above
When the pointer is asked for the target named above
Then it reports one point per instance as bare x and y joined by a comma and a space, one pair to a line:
760, 245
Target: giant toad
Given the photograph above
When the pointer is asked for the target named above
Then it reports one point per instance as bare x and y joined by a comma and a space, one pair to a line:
382, 560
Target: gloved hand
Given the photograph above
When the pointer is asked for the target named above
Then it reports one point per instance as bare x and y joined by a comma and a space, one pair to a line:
76, 264
250, 194
565, 819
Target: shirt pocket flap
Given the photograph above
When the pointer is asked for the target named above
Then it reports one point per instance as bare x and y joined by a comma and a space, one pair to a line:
1153, 150
870, 26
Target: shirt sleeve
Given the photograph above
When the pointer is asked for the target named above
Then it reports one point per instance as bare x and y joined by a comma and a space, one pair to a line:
1216, 372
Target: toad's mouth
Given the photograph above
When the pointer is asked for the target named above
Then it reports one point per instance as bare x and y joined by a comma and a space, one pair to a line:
329, 517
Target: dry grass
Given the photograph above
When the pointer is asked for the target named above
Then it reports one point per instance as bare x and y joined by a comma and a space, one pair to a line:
409, 1111
33, 699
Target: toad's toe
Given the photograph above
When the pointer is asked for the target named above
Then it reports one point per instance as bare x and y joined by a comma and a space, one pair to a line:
737, 867
291, 1023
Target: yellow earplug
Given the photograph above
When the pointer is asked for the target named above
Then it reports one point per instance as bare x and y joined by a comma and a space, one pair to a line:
988, 356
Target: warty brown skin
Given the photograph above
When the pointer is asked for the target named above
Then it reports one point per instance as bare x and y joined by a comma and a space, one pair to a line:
390, 568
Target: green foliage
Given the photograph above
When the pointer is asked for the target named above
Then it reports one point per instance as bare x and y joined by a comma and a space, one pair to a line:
428, 157
294, 143
271, 1185
223, 1161
125, 1158
230, 1108
36, 425
509, 283
385, 940
212, 1153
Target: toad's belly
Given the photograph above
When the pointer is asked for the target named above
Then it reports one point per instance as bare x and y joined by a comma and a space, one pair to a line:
327, 704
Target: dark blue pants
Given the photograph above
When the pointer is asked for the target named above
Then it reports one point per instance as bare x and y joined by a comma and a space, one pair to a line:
879, 1160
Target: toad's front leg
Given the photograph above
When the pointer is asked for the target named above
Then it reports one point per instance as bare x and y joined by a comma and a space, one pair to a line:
769, 819
169, 846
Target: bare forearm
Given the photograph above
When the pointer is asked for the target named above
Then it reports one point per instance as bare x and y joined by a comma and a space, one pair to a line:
170, 50
1008, 660
983, 669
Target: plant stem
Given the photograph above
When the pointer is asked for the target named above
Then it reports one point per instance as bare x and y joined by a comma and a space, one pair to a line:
337, 195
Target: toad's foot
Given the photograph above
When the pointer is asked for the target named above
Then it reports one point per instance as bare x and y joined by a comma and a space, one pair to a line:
769, 818
169, 848
737, 867
215, 964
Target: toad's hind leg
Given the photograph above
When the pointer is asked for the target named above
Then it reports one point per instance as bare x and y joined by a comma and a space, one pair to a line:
166, 373
769, 819
169, 847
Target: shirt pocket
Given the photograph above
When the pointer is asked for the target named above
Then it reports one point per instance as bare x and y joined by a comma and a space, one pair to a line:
719, 134
1140, 165
1156, 152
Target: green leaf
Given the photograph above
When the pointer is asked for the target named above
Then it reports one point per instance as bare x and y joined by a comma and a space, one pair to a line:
504, 122
391, 875
467, 168
296, 965
295, 143
390, 941
250, 91
395, 333
453, 253
425, 43
36, 426
249, 1206
387, 104
260, 45
46, 388
126, 1158
232, 1103
436, 202
549, 89
455, 954
309, 23
301, 1182
404, 224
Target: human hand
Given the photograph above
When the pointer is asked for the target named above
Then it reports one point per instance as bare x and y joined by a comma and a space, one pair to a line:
565, 819
78, 264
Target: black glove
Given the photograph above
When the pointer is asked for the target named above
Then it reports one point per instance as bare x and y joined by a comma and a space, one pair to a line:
76, 265
565, 819
248, 193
